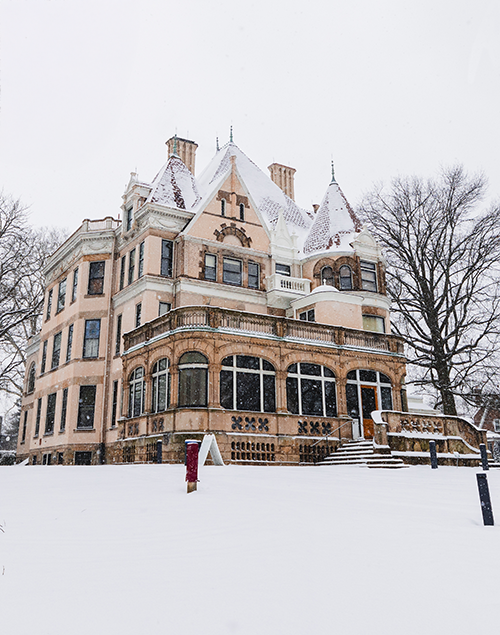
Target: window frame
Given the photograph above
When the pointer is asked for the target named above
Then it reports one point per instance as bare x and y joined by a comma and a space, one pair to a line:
131, 266
187, 377
225, 273
256, 275
44, 357
308, 316
61, 296
378, 385
331, 278
118, 335
238, 372
129, 218
377, 319
114, 404
56, 350
64, 410
74, 288
140, 264
50, 413
49, 304
167, 260
87, 341
97, 281
369, 280
69, 342
162, 304
223, 207
123, 267
301, 377
138, 315
86, 409
136, 392
31, 379
342, 279
210, 267
283, 269
242, 211
156, 383
38, 417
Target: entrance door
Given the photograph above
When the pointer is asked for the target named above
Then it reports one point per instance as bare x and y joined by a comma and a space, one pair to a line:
368, 405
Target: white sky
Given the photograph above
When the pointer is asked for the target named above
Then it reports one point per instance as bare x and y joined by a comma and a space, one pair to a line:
91, 90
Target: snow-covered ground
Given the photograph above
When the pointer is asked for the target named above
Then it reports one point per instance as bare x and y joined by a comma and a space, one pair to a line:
257, 550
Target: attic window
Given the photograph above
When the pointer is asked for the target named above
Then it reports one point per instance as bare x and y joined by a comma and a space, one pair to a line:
223, 207
242, 211
128, 219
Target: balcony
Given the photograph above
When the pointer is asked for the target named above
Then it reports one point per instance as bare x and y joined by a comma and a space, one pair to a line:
215, 319
286, 284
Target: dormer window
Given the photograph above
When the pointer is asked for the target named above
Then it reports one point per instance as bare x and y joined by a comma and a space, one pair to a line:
327, 276
223, 207
368, 276
242, 211
283, 270
128, 219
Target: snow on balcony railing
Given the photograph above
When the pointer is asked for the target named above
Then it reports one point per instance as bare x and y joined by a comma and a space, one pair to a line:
261, 325
277, 282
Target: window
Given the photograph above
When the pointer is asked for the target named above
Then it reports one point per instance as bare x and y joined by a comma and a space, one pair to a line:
161, 385
210, 267
83, 458
38, 416
91, 338
137, 391
128, 219
164, 307
362, 381
248, 383
167, 251
86, 407
242, 211
46, 459
44, 357
368, 276
496, 425
49, 305
374, 323
307, 316
51, 413
284, 270
253, 275
118, 340
327, 276
310, 390
69, 345
231, 273
56, 350
345, 278
75, 285
60, 458
64, 409
61, 296
138, 314
140, 271
223, 205
25, 425
131, 266
193, 379
122, 271
31, 378
96, 278
114, 404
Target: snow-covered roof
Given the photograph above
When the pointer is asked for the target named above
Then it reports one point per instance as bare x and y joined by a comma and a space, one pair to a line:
335, 223
174, 185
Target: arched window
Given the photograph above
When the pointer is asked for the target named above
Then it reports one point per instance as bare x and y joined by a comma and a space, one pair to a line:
31, 378
193, 379
242, 211
247, 383
310, 390
327, 276
345, 278
223, 207
161, 386
136, 392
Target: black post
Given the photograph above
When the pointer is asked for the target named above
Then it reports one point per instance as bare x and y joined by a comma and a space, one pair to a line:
159, 451
434, 458
484, 456
484, 497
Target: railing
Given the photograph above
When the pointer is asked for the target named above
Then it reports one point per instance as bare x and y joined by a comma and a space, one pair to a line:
286, 283
100, 225
186, 318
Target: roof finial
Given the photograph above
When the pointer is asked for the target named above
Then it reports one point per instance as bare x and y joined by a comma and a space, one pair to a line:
217, 143
231, 135
333, 174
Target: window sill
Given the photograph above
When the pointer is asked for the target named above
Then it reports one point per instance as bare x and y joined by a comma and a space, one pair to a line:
62, 431
48, 434
95, 295
84, 430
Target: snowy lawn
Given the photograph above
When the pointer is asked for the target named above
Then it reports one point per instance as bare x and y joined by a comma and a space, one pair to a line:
257, 550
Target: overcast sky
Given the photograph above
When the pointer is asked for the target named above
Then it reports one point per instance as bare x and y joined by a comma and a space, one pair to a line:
91, 90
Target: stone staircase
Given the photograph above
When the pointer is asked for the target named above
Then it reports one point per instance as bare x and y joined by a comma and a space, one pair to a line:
361, 453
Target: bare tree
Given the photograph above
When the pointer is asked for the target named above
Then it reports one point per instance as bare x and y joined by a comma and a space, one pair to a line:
23, 254
443, 277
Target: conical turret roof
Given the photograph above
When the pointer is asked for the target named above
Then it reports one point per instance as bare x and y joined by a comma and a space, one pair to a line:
174, 186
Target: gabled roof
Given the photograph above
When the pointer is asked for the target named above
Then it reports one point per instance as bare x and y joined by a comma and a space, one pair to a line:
268, 197
174, 186
335, 223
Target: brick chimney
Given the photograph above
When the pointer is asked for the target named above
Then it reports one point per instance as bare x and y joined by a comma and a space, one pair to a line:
283, 177
185, 149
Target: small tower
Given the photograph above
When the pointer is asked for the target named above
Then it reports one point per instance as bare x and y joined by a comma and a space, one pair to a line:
184, 149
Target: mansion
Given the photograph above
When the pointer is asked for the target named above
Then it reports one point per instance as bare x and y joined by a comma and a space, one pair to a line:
216, 305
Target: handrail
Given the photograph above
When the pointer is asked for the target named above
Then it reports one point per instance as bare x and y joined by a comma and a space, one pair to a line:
330, 433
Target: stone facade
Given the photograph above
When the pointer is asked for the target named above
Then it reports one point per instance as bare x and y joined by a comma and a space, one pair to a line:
202, 312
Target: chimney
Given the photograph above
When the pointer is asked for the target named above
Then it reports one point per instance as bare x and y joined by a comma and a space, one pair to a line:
185, 149
315, 207
283, 177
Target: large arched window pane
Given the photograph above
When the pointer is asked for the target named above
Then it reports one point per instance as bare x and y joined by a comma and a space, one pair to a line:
31, 378
193, 380
247, 383
310, 390
161, 385
137, 391
327, 276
